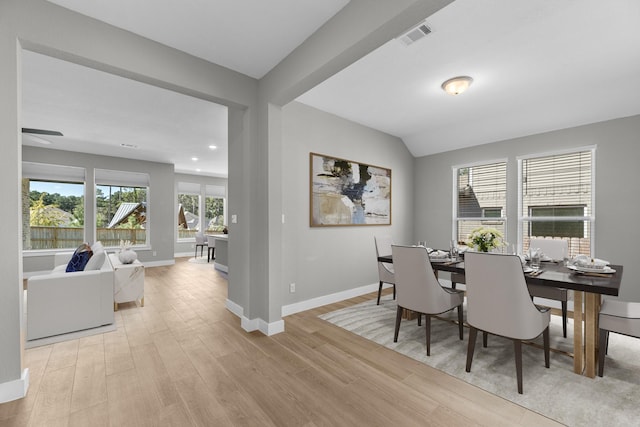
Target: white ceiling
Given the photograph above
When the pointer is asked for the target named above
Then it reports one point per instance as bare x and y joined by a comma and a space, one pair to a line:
538, 66
98, 111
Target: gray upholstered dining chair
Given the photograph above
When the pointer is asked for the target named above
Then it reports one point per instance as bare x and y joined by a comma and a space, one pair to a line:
420, 291
385, 270
499, 303
555, 249
201, 242
617, 316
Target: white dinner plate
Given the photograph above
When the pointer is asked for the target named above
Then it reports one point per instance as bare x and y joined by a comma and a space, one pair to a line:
606, 269
440, 259
527, 269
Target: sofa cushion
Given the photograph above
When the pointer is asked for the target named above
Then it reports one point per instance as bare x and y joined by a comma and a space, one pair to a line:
79, 259
97, 259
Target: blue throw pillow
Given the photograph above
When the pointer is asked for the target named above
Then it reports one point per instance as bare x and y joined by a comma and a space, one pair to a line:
79, 259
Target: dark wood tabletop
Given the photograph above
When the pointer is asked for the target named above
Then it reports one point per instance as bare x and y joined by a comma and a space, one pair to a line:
553, 274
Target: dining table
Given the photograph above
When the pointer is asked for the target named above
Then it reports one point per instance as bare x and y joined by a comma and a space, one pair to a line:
588, 287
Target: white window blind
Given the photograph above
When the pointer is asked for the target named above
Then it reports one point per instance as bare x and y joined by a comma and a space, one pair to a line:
121, 178
556, 199
48, 172
188, 188
481, 198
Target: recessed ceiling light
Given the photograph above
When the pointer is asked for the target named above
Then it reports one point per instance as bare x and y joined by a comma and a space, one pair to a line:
133, 146
195, 159
213, 147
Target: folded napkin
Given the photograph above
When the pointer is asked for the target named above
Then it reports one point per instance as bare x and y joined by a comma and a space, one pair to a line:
585, 260
438, 254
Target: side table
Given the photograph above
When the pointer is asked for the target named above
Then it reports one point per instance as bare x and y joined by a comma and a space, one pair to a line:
128, 282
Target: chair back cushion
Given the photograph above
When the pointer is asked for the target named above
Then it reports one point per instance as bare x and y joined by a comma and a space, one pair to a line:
417, 287
498, 300
553, 248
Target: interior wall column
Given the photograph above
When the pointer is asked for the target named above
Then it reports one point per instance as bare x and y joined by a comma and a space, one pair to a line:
13, 380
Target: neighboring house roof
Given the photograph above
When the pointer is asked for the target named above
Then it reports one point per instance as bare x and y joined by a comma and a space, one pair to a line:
182, 220
66, 219
186, 219
125, 210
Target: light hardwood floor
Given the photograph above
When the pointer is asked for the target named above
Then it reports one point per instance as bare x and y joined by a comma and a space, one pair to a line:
184, 360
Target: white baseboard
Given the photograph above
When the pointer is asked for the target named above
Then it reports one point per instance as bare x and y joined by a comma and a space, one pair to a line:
221, 267
298, 307
258, 324
158, 263
17, 389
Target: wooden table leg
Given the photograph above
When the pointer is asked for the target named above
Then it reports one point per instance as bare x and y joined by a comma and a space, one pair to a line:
578, 350
591, 312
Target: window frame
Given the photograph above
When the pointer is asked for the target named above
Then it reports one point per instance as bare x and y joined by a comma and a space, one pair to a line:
127, 179
591, 219
55, 173
484, 220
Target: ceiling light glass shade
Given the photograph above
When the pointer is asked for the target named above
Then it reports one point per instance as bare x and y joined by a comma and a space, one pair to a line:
457, 85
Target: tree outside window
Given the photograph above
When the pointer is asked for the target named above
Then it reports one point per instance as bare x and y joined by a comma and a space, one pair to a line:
55, 215
214, 214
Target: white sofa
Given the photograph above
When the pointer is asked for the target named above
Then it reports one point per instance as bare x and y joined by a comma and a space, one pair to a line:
60, 302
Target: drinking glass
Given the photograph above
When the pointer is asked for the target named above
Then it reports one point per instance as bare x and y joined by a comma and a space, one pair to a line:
453, 249
534, 258
422, 243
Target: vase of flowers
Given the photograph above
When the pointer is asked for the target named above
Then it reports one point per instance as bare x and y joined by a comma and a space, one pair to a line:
485, 239
126, 254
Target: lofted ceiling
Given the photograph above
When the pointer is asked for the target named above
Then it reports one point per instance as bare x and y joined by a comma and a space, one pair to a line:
537, 66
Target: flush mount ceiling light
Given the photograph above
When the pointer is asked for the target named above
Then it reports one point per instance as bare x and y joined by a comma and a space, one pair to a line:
457, 85
195, 159
212, 147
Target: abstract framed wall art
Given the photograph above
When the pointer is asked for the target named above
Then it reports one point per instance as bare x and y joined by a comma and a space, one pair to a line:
344, 192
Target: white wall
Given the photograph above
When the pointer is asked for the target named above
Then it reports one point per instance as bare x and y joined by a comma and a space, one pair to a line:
617, 202
43, 27
325, 260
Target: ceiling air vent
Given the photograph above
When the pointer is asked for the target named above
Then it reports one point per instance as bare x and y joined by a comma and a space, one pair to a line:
414, 34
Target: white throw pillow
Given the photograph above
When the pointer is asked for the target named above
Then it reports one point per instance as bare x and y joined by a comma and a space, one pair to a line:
97, 260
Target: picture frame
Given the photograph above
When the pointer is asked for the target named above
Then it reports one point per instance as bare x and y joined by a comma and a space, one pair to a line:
347, 193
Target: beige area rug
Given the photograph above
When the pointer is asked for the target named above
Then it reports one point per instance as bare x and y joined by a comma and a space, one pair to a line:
557, 392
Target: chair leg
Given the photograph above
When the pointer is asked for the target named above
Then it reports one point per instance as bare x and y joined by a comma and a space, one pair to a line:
485, 338
398, 318
427, 323
394, 291
545, 340
379, 292
564, 319
602, 349
606, 347
473, 333
453, 285
419, 319
460, 325
517, 346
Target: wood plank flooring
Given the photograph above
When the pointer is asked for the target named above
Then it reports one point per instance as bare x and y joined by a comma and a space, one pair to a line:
184, 360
